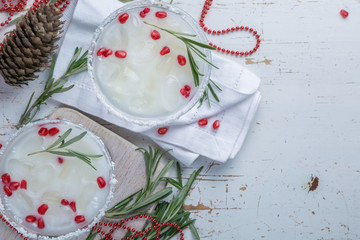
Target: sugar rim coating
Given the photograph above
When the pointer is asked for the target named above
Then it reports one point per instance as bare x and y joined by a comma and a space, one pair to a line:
154, 121
101, 211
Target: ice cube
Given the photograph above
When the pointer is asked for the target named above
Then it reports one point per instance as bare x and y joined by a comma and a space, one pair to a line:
87, 196
59, 217
170, 93
40, 178
165, 65
51, 197
21, 204
18, 169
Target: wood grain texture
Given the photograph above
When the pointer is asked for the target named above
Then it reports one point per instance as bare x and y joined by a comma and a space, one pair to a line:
129, 163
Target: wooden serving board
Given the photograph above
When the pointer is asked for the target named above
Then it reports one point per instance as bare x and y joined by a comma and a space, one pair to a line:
129, 164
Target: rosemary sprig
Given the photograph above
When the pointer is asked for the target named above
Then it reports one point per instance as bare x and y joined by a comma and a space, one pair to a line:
205, 97
77, 64
192, 47
62, 144
165, 211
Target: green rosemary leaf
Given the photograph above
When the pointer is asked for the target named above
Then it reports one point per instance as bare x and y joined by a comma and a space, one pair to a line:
199, 44
217, 86
15, 20
178, 171
172, 182
60, 139
213, 93
126, 1
81, 157
123, 203
66, 154
50, 79
161, 174
73, 140
194, 231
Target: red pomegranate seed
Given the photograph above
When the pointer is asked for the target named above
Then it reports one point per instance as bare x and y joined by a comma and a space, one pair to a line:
185, 93
181, 60
14, 186
123, 18
60, 160
120, 54
30, 218
108, 52
73, 206
203, 122
23, 184
100, 52
164, 51
101, 182
79, 219
146, 10
42, 209
155, 35
187, 88
64, 202
43, 131
7, 191
162, 130
344, 13
216, 124
53, 131
41, 223
161, 14
5, 178
142, 14
0, 145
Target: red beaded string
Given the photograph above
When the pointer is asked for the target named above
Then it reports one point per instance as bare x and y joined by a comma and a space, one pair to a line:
205, 10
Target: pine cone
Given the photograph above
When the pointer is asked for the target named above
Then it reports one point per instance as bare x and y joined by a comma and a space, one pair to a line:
27, 49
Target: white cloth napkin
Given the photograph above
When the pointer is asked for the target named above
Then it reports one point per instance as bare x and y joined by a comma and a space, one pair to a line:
238, 105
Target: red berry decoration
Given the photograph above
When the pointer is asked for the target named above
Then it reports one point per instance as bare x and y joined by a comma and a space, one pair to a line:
73, 206
0, 145
7, 191
344, 13
181, 60
142, 14
146, 10
41, 223
60, 160
23, 184
162, 130
120, 54
108, 53
64, 202
30, 218
5, 178
164, 51
155, 35
42, 209
101, 182
100, 52
161, 14
123, 18
203, 122
216, 124
53, 131
43, 132
14, 186
79, 219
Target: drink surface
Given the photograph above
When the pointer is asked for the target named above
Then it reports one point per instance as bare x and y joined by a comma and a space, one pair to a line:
144, 71
51, 194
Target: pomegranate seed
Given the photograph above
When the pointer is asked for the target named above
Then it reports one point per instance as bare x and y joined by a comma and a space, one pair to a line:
0, 145
6, 178
64, 202
155, 35
60, 160
108, 52
43, 131
187, 87
73, 206
7, 191
41, 223
344, 13
120, 54
101, 182
203, 122
185, 93
42, 209
142, 14
23, 184
53, 131
164, 51
161, 14
181, 60
123, 18
162, 130
216, 124
146, 10
14, 186
100, 52
79, 219
30, 218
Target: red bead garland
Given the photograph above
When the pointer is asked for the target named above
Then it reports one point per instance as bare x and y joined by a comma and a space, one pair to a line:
205, 10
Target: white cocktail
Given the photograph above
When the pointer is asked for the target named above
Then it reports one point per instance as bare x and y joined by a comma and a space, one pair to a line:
51, 194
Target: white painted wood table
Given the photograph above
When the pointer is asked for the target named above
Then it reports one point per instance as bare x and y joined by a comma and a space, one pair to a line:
308, 124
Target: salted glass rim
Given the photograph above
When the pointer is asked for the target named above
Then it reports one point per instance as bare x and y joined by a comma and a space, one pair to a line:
159, 120
26, 232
